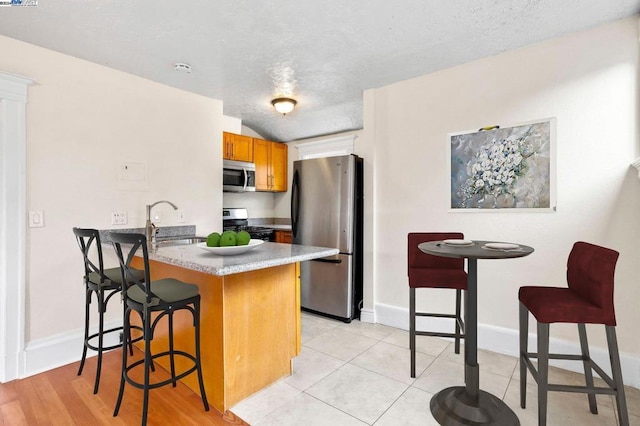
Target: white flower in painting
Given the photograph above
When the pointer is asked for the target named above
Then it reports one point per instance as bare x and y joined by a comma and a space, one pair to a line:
496, 167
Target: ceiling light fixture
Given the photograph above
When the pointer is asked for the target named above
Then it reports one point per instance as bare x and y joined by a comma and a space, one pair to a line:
284, 105
182, 67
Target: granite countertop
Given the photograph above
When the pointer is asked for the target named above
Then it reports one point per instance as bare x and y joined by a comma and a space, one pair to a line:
265, 256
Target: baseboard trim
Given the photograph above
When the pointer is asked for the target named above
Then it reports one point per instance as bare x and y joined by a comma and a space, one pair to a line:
52, 352
506, 341
368, 315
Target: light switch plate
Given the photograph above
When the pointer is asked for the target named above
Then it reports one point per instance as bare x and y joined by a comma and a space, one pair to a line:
180, 216
156, 217
36, 218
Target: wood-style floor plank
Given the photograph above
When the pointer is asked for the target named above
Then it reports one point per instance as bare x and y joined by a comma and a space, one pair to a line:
61, 397
11, 413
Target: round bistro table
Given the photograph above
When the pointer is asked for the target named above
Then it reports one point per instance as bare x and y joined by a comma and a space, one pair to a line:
468, 405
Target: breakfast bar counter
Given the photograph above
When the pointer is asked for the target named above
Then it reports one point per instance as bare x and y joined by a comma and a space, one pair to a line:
266, 255
250, 314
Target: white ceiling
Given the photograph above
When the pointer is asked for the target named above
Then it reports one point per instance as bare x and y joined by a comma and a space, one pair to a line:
324, 53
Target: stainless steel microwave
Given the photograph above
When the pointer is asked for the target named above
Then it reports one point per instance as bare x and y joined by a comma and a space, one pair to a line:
238, 176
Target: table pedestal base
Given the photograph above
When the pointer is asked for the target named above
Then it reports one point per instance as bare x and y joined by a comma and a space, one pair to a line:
453, 406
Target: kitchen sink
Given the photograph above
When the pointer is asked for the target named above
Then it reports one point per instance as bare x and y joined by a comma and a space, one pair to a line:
177, 241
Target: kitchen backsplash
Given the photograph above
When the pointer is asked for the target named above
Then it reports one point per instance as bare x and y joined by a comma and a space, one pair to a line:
270, 221
258, 204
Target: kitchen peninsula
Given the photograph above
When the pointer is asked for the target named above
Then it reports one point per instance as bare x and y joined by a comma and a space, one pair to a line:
250, 314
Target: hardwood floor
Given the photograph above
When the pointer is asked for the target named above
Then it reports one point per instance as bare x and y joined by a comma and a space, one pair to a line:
61, 397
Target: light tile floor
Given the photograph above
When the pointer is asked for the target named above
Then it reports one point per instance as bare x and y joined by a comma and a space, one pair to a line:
358, 374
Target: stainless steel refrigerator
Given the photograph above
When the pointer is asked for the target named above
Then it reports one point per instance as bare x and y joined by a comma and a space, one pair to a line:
326, 211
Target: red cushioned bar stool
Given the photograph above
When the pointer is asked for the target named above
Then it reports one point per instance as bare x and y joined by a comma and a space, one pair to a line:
587, 300
428, 271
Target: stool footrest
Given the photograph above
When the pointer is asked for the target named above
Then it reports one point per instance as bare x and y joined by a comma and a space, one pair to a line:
139, 385
115, 346
426, 314
452, 316
105, 332
580, 389
571, 388
569, 357
437, 334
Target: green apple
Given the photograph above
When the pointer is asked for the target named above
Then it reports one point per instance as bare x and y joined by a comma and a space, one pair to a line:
213, 240
227, 239
243, 238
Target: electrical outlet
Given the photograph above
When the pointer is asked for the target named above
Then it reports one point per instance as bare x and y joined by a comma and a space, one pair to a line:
157, 217
118, 218
180, 216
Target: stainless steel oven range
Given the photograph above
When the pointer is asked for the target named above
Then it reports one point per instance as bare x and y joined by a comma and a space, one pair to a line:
237, 219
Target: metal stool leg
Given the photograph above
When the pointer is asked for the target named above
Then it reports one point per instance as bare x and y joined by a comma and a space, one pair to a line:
543, 371
147, 364
101, 310
616, 369
412, 329
588, 372
172, 361
196, 314
87, 304
458, 312
524, 348
126, 333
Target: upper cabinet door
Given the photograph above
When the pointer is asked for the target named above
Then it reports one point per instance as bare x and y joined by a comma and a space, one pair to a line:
237, 147
271, 165
262, 159
279, 166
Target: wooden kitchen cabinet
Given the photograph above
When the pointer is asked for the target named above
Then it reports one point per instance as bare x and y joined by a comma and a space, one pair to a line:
271, 165
237, 147
283, 236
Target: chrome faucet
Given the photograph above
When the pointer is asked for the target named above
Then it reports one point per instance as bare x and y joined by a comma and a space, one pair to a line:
150, 228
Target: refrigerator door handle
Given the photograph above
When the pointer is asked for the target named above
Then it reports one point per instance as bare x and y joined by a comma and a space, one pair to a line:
295, 203
327, 260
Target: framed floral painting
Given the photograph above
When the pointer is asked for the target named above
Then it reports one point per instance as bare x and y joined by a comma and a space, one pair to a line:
499, 168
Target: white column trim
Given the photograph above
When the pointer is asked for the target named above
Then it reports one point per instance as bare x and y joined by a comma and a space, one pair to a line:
13, 165
329, 147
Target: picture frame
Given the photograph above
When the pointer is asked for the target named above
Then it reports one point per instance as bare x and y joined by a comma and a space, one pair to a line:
510, 168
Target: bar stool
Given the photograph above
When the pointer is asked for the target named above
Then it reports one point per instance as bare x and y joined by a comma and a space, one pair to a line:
587, 300
104, 283
163, 298
427, 271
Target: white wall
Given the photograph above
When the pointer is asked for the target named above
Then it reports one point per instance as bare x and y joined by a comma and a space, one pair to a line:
82, 120
588, 81
231, 124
